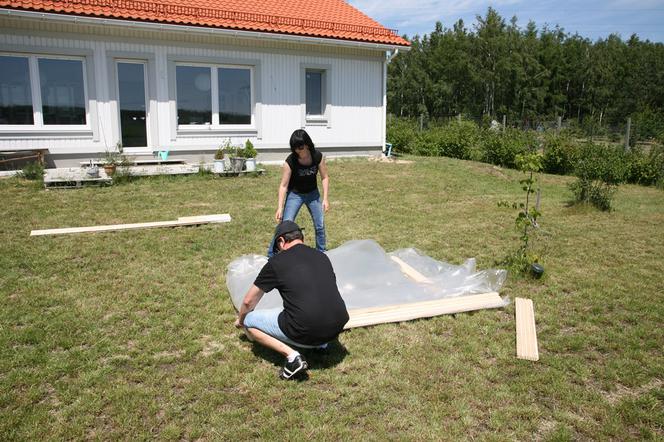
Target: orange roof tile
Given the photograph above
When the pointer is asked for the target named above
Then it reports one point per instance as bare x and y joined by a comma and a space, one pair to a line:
316, 18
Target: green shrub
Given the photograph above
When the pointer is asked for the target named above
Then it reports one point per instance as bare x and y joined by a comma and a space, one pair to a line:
33, 171
560, 154
645, 168
455, 140
460, 140
501, 148
599, 169
427, 143
401, 132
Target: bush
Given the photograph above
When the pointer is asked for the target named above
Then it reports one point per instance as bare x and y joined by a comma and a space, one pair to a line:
560, 154
401, 132
645, 168
33, 171
599, 169
454, 140
501, 148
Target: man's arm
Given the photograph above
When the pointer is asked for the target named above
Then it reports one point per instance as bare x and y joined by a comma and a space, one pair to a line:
254, 294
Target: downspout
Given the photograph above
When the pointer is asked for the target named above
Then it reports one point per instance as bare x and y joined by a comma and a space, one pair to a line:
389, 55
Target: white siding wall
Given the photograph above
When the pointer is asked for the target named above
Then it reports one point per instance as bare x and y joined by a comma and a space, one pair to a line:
356, 115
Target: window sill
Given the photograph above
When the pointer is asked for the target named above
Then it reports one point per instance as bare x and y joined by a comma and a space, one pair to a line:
316, 121
202, 130
32, 132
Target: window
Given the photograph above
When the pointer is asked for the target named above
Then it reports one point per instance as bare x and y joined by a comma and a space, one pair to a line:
194, 95
234, 96
15, 94
42, 91
61, 84
214, 95
314, 92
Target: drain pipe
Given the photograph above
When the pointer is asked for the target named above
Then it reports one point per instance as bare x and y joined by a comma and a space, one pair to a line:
389, 55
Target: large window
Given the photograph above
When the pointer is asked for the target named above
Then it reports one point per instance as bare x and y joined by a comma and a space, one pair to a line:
15, 94
214, 95
42, 91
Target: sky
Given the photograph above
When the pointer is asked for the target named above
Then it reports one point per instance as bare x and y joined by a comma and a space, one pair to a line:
593, 19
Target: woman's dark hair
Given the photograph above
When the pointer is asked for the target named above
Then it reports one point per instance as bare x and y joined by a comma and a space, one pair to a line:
299, 138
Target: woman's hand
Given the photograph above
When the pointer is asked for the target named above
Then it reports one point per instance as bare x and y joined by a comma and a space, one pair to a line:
326, 205
279, 214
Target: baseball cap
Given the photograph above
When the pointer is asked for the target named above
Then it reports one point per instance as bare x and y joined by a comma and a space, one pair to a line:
283, 228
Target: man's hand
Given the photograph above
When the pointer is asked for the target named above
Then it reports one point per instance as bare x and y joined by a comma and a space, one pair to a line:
279, 215
326, 205
237, 323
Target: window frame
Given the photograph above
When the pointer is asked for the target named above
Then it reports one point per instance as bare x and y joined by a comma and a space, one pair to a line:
38, 125
215, 126
325, 119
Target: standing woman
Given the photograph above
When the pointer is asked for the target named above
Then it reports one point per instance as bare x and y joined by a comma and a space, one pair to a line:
299, 186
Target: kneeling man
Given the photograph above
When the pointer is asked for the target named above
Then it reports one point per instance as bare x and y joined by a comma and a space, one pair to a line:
314, 312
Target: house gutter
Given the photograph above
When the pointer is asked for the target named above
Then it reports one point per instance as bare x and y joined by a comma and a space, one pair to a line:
252, 35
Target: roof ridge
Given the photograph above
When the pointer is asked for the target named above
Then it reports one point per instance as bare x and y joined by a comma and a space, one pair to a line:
198, 12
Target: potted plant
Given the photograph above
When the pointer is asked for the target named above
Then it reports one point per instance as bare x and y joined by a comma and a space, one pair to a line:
236, 155
250, 155
110, 161
219, 163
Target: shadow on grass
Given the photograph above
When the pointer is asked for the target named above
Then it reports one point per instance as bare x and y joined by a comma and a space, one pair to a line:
317, 358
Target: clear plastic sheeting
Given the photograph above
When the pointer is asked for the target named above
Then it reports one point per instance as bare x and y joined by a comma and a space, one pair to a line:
368, 277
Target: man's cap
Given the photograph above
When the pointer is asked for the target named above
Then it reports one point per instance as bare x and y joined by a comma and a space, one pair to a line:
283, 228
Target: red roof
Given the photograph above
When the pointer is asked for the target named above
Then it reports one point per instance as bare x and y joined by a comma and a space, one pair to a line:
315, 18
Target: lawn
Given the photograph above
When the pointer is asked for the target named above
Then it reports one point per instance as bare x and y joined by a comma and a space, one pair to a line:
129, 335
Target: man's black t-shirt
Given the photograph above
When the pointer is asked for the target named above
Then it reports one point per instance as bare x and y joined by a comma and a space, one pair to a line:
303, 178
314, 312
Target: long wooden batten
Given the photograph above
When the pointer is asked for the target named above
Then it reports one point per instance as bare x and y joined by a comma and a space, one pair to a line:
184, 221
425, 309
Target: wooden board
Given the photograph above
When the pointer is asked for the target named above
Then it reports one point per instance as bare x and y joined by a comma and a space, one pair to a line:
526, 334
409, 271
425, 309
134, 226
218, 218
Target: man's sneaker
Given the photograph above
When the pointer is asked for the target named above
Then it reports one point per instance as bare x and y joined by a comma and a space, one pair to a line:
290, 369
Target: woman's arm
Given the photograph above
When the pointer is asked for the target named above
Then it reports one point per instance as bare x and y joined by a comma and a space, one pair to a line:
283, 189
325, 180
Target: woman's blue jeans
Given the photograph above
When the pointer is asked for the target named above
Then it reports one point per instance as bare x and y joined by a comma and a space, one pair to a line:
294, 202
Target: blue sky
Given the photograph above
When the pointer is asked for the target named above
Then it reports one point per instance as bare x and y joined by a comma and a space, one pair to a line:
591, 18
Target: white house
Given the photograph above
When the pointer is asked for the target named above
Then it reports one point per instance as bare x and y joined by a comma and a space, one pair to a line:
77, 77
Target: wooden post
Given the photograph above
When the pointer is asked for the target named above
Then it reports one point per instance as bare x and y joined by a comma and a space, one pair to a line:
459, 117
559, 125
504, 121
629, 127
421, 121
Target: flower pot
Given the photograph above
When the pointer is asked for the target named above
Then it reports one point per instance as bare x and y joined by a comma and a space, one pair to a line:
109, 169
250, 164
237, 164
219, 166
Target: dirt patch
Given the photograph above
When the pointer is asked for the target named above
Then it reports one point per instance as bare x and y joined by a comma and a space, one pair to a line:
489, 169
622, 392
391, 160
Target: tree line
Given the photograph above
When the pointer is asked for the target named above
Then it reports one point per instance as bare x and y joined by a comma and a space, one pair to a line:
527, 74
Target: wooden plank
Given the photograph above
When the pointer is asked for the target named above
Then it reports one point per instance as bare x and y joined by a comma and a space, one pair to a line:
526, 334
425, 309
114, 227
218, 218
409, 271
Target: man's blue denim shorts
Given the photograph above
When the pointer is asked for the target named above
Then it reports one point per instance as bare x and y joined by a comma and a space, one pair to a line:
267, 322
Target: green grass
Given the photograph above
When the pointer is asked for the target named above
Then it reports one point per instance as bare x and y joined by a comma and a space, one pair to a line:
129, 335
